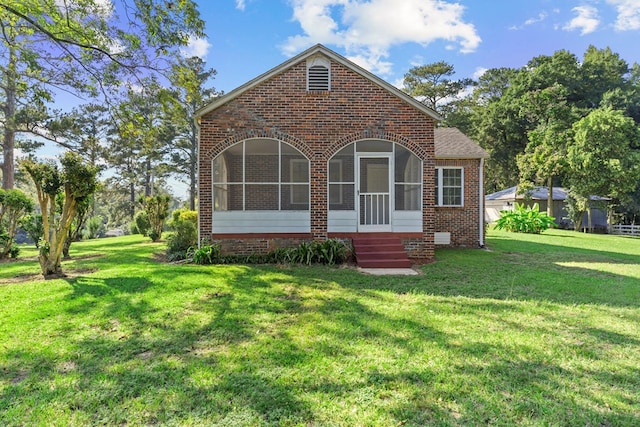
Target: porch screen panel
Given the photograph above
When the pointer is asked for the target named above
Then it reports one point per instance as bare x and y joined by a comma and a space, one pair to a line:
262, 161
408, 180
228, 179
261, 197
342, 180
261, 175
294, 177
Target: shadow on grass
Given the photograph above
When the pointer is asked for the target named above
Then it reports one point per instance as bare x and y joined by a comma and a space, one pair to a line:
522, 271
237, 345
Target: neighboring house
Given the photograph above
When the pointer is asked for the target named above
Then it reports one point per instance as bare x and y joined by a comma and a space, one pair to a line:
320, 148
505, 199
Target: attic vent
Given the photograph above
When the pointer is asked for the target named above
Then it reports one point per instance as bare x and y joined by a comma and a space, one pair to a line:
318, 78
318, 73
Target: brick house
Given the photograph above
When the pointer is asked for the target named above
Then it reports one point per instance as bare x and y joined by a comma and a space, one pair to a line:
320, 148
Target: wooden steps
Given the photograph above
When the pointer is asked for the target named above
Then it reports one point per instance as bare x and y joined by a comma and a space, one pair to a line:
380, 251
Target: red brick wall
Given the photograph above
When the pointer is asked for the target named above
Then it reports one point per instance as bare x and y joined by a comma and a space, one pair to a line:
462, 222
319, 124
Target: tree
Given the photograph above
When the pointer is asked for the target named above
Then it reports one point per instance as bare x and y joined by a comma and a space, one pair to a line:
626, 97
576, 205
32, 225
74, 180
78, 223
601, 71
14, 204
430, 84
82, 46
544, 156
603, 157
157, 209
189, 79
498, 125
84, 131
140, 141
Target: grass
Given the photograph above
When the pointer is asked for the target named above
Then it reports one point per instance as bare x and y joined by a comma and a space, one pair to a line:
538, 330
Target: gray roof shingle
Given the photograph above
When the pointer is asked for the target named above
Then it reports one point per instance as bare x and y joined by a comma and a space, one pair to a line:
450, 143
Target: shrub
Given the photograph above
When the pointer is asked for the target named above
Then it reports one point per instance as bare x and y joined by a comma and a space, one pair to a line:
14, 251
282, 255
133, 228
184, 215
525, 219
157, 209
14, 204
206, 254
32, 225
184, 224
329, 252
143, 226
95, 226
184, 237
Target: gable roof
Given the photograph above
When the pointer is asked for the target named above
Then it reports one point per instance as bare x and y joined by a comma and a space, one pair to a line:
304, 56
450, 143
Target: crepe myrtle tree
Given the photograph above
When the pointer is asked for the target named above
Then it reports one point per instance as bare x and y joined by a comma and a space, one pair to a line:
74, 181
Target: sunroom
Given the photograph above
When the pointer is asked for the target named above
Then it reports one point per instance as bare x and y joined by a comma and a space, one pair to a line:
263, 186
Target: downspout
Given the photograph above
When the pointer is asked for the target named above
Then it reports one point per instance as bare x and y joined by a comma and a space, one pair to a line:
481, 202
197, 122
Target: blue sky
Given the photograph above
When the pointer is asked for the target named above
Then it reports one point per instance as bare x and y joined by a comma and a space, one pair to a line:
245, 38
388, 37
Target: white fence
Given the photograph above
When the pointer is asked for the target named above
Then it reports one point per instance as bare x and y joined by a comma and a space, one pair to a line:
629, 230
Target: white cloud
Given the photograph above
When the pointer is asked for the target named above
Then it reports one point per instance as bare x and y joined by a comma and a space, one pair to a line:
367, 29
196, 47
541, 17
240, 4
586, 20
628, 14
102, 8
479, 72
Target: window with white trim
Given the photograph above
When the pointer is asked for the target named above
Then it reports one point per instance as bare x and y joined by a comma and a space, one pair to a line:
449, 186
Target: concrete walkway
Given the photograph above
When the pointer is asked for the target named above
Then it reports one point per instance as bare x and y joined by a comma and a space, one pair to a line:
389, 271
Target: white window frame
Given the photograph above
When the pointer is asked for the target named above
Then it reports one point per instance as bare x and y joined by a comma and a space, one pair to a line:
292, 183
340, 182
440, 186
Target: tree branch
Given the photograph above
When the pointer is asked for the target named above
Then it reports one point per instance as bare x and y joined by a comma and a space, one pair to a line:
61, 41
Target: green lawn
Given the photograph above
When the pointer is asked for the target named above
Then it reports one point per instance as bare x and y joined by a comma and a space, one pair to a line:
538, 330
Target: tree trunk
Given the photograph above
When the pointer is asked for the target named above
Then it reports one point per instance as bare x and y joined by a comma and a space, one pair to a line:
66, 246
147, 180
550, 196
9, 140
50, 266
132, 199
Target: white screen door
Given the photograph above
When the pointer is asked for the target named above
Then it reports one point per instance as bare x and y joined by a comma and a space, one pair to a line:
374, 194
